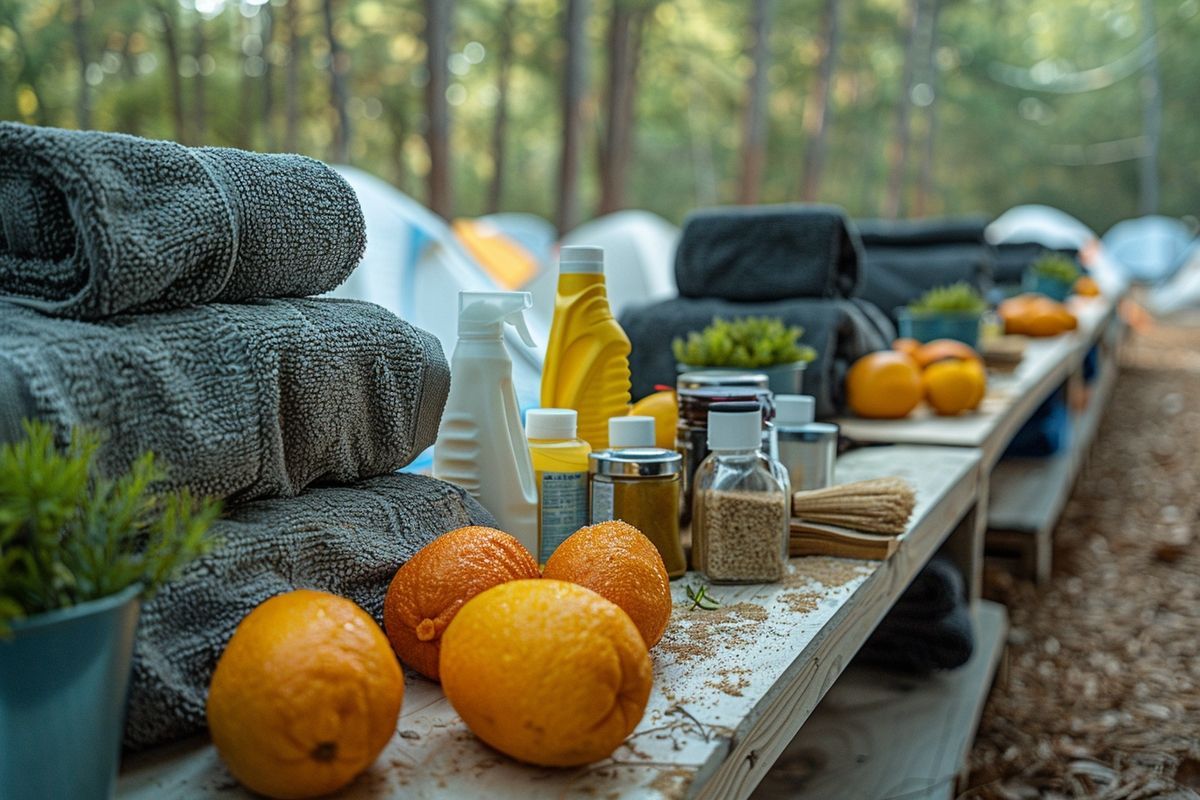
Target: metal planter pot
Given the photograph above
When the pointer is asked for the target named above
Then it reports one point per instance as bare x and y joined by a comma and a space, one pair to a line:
927, 327
1051, 287
781, 378
64, 676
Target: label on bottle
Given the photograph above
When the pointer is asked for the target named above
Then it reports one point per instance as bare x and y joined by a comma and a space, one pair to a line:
602, 501
562, 508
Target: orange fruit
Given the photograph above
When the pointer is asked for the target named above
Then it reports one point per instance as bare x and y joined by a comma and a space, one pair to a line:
951, 386
617, 561
546, 671
429, 590
939, 349
305, 696
665, 410
907, 346
977, 370
1086, 286
884, 385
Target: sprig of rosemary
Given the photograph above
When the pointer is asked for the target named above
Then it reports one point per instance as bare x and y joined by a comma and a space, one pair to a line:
702, 599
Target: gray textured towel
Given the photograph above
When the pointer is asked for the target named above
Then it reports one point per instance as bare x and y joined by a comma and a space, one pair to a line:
839, 330
239, 401
345, 540
94, 224
764, 253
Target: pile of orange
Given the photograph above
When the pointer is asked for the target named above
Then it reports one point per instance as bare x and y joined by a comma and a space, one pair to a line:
1035, 315
889, 384
551, 670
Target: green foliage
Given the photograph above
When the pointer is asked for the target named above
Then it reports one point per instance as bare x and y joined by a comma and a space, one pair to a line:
1056, 268
957, 298
745, 343
69, 535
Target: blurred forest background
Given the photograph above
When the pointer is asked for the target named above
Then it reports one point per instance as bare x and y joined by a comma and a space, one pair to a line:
571, 108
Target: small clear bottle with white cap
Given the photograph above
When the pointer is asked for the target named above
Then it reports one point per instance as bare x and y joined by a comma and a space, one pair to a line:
560, 466
807, 449
740, 506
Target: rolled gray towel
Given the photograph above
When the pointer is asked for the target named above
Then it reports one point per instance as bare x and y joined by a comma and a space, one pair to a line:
346, 540
763, 253
94, 224
839, 330
238, 401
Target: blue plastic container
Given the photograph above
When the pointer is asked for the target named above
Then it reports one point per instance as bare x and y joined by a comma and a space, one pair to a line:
64, 676
1051, 287
927, 327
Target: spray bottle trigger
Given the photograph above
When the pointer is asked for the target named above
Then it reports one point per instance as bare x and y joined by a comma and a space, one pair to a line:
517, 320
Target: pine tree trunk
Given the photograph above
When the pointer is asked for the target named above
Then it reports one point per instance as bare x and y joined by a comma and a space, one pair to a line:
167, 14
500, 121
244, 138
574, 87
898, 152
291, 86
1151, 119
616, 147
199, 106
818, 112
83, 101
754, 117
268, 89
439, 20
339, 62
925, 181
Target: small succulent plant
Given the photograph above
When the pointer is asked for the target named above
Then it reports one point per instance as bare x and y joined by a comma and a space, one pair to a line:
957, 298
1056, 267
744, 343
69, 534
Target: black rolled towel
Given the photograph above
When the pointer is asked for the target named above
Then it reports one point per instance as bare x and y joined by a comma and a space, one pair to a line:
967, 229
348, 540
94, 224
762, 253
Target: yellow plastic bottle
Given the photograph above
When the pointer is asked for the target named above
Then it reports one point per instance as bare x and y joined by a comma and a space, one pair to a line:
587, 360
560, 466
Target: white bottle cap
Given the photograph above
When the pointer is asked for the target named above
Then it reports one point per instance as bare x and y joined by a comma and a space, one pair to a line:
550, 423
576, 259
631, 432
794, 409
734, 426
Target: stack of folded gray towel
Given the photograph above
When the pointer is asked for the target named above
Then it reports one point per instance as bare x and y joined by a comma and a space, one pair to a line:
159, 295
799, 262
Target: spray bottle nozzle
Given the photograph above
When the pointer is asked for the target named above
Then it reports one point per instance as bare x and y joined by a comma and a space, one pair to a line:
485, 313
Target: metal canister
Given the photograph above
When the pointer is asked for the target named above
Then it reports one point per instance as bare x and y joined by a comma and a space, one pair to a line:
641, 486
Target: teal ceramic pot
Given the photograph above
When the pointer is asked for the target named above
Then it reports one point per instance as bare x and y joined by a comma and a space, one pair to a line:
63, 682
927, 327
1051, 287
781, 379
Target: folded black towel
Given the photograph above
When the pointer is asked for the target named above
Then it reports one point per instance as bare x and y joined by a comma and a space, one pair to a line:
929, 628
762, 253
346, 540
240, 401
906, 258
94, 224
839, 330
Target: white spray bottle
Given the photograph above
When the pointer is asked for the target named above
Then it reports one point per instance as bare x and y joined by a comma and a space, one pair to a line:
481, 445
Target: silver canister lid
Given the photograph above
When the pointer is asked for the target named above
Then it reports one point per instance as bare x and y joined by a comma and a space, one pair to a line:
636, 462
812, 432
703, 379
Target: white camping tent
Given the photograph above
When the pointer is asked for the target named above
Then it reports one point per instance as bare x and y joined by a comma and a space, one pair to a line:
639, 261
1182, 290
1058, 230
1149, 248
414, 267
535, 234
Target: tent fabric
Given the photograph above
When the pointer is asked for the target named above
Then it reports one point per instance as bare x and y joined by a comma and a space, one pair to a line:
1042, 224
1149, 248
1182, 290
506, 261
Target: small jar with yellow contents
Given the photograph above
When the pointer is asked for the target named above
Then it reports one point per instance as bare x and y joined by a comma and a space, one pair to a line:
640, 486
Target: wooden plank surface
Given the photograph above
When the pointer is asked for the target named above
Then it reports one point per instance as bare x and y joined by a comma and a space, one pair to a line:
881, 736
1011, 398
731, 687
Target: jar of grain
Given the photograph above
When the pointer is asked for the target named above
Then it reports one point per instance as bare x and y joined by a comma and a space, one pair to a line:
740, 504
640, 485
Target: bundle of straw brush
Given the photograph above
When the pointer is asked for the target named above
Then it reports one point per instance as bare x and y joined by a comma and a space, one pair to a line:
881, 505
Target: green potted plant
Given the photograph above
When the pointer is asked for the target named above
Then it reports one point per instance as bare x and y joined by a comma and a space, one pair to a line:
758, 344
944, 312
78, 550
1053, 275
